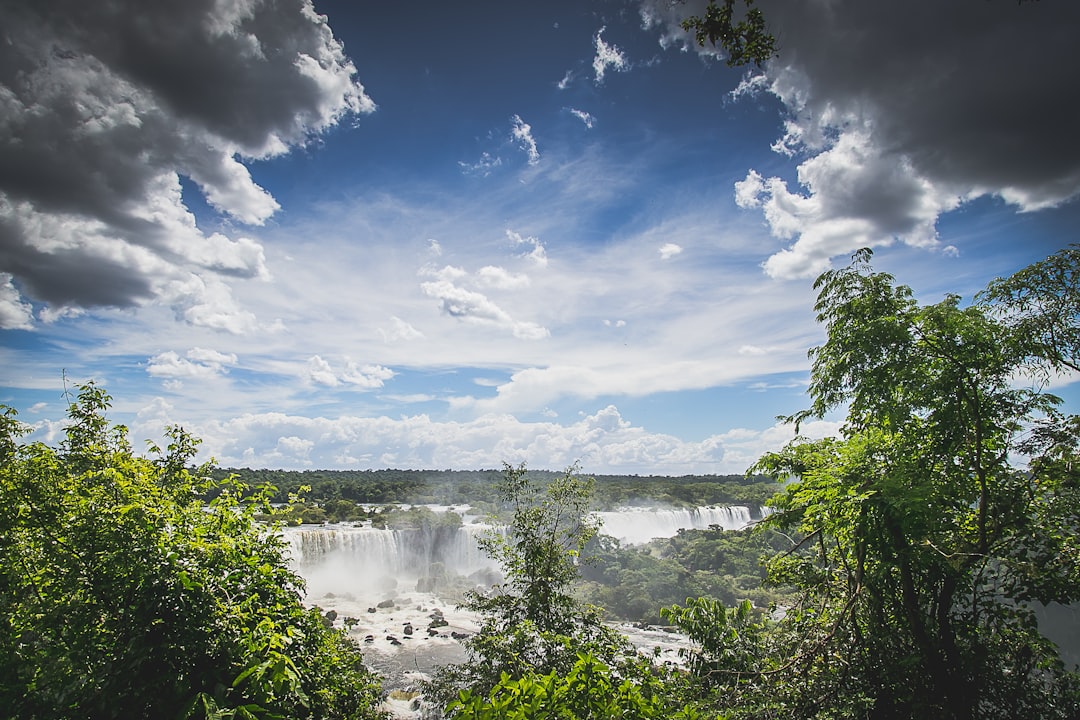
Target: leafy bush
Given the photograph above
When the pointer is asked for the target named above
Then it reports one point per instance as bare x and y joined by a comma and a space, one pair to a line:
124, 596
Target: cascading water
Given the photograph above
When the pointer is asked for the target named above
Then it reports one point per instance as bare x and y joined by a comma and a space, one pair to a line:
370, 553
635, 526
362, 550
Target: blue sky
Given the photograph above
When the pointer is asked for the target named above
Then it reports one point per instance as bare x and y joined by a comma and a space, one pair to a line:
434, 235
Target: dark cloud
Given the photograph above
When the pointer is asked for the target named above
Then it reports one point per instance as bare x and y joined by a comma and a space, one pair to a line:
976, 95
901, 111
104, 104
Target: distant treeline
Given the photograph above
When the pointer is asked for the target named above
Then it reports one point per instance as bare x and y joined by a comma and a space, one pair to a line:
482, 486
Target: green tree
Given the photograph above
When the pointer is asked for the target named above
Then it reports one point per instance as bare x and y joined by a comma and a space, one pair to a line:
745, 39
923, 543
928, 542
532, 625
123, 596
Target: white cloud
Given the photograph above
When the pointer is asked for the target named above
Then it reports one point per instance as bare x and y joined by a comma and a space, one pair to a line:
15, 314
538, 254
476, 308
366, 377
602, 441
607, 57
484, 166
855, 197
501, 278
400, 330
320, 372
197, 363
669, 250
752, 85
206, 301
584, 117
92, 210
522, 133
888, 146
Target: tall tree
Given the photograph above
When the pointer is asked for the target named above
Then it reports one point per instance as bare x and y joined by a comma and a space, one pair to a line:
924, 542
531, 624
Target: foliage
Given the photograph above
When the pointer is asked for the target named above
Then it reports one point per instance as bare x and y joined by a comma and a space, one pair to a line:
123, 595
635, 582
532, 625
342, 493
745, 40
922, 545
1041, 308
589, 691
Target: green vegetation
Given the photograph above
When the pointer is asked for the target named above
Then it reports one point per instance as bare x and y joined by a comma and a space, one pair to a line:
903, 563
925, 546
634, 582
535, 637
746, 39
124, 596
336, 492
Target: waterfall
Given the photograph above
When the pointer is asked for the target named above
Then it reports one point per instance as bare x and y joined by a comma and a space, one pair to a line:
635, 526
363, 559
384, 552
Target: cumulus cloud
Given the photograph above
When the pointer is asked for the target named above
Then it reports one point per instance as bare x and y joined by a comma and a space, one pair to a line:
521, 132
902, 112
207, 301
197, 363
365, 377
601, 441
608, 57
105, 106
501, 278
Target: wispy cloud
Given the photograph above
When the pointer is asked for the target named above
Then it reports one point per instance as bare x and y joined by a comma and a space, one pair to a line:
584, 117
521, 131
538, 254
608, 57
669, 250
471, 306
482, 167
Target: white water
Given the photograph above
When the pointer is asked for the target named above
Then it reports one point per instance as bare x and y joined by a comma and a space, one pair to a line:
636, 526
365, 550
362, 552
